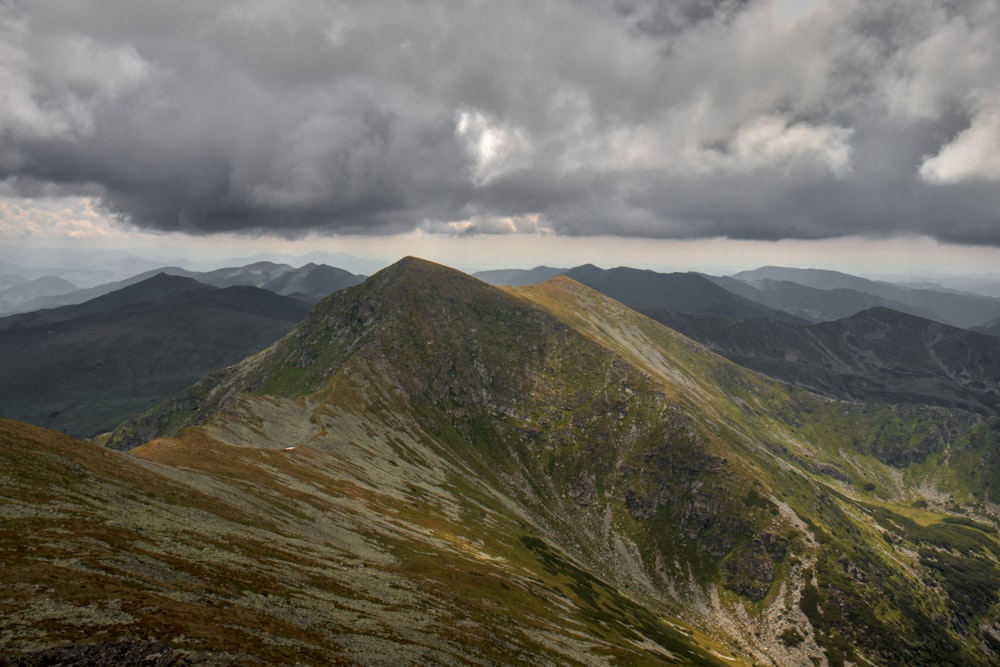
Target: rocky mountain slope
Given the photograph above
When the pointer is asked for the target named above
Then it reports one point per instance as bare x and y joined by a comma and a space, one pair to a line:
431, 470
82, 369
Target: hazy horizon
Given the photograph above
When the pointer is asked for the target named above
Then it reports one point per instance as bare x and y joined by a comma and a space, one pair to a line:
875, 260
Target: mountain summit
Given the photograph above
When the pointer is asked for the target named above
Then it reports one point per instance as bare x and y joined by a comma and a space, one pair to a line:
432, 470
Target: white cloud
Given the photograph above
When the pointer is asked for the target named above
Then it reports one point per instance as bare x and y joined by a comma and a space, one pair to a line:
942, 58
974, 155
56, 217
495, 148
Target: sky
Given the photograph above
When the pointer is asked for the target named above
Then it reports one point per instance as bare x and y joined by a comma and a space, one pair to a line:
718, 135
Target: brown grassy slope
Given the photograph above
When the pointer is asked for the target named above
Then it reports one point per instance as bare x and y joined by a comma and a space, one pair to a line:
262, 555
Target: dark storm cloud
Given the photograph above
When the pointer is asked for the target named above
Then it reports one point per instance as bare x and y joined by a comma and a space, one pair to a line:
628, 117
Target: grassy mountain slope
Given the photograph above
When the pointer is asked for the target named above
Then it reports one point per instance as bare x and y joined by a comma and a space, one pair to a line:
458, 473
84, 368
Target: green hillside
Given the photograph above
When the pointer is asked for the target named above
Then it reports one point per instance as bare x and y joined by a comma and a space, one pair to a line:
432, 470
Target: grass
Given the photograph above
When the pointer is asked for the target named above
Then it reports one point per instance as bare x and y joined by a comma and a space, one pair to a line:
548, 427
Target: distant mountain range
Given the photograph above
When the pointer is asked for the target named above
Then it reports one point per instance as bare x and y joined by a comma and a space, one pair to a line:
310, 281
519, 277
882, 356
950, 307
83, 368
21, 294
791, 295
876, 356
683, 292
431, 470
810, 303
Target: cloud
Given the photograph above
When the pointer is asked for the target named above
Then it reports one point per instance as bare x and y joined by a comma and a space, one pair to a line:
69, 217
973, 155
753, 119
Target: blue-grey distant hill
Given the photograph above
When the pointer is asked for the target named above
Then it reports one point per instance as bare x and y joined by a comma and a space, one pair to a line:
991, 327
811, 303
311, 282
950, 307
681, 292
875, 356
83, 368
19, 294
637, 288
519, 277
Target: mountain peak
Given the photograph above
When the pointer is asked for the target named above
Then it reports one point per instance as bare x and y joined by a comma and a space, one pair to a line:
415, 275
411, 264
158, 286
550, 447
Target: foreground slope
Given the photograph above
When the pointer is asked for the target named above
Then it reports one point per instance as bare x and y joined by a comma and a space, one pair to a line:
234, 555
430, 469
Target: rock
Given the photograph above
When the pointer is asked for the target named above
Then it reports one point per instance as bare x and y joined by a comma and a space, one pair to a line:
102, 654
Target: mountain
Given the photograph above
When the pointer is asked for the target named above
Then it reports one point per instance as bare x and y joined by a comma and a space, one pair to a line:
8, 280
16, 295
84, 368
78, 296
682, 292
950, 307
157, 286
256, 274
818, 278
518, 277
431, 470
991, 327
346, 261
812, 304
876, 356
310, 281
991, 289
80, 266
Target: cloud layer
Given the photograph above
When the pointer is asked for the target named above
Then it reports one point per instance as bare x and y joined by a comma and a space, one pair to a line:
757, 119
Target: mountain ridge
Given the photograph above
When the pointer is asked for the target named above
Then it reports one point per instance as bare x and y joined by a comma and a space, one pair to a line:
84, 368
428, 469
877, 355
959, 309
310, 281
